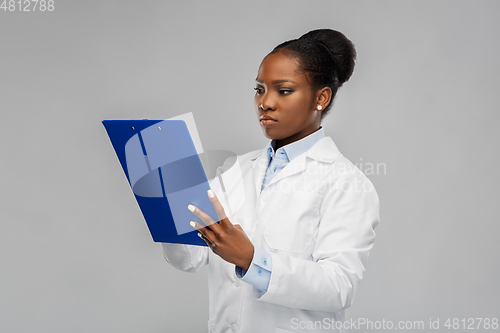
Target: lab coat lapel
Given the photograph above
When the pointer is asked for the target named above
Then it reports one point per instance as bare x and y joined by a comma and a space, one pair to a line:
324, 150
259, 166
297, 165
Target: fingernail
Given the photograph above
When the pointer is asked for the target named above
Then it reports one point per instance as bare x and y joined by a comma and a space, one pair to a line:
191, 208
210, 193
192, 224
199, 234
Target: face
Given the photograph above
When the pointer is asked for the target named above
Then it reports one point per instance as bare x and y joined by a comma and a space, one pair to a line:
285, 99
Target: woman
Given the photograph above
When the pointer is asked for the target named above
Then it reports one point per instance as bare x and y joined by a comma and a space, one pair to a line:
291, 255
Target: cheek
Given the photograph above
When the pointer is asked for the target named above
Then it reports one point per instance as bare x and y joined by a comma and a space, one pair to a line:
306, 106
256, 102
297, 106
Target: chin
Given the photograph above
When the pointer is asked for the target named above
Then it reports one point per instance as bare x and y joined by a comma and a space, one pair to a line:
272, 136
268, 135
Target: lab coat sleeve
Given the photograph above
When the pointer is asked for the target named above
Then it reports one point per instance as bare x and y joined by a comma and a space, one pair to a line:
188, 258
259, 272
328, 282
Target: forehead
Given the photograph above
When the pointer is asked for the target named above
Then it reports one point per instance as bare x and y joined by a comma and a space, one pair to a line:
279, 66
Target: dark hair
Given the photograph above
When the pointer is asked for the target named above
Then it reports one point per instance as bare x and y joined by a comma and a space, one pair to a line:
325, 55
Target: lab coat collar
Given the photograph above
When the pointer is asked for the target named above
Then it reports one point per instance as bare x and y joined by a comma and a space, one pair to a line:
324, 151
296, 148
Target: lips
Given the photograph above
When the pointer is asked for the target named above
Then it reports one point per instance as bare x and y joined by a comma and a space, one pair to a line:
266, 117
267, 120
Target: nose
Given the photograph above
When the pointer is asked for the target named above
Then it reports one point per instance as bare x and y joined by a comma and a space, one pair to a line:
267, 103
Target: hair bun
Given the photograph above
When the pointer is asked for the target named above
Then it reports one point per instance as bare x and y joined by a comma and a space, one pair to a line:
326, 56
340, 47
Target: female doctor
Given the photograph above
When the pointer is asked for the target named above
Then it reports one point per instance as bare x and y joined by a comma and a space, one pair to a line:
296, 218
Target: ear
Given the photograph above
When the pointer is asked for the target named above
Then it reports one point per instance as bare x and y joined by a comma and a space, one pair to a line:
323, 97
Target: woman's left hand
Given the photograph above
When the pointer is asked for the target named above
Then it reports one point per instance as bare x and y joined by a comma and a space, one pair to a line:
226, 240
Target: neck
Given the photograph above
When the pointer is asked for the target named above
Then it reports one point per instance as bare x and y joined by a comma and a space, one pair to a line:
277, 144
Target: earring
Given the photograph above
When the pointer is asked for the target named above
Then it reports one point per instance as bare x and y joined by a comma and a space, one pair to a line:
320, 107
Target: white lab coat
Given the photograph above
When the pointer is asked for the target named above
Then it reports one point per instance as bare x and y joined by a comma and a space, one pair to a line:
316, 218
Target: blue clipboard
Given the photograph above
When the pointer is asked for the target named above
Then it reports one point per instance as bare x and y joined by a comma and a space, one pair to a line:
165, 174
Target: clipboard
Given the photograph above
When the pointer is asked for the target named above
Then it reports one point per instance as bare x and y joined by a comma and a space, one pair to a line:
165, 174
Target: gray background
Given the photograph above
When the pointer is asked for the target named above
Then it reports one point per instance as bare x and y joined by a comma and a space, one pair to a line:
75, 252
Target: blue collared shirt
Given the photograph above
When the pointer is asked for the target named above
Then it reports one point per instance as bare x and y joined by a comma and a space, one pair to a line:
259, 272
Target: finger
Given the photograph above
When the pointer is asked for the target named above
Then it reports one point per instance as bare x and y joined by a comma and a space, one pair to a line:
204, 238
203, 216
221, 214
217, 205
204, 231
209, 244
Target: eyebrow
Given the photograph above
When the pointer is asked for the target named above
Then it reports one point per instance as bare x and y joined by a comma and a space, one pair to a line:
276, 81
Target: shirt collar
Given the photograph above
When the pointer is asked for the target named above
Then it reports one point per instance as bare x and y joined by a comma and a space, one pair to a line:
294, 149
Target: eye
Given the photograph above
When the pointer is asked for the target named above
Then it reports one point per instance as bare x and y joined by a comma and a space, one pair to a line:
285, 92
258, 90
